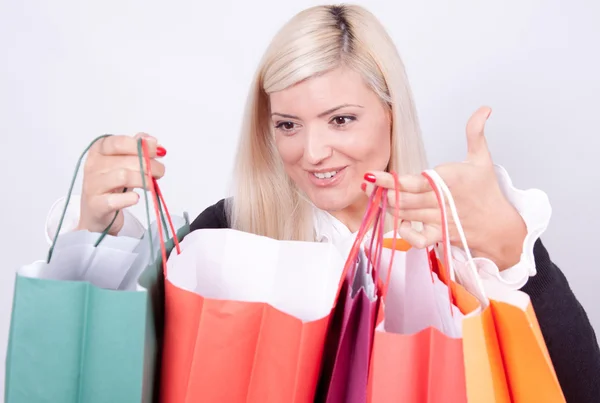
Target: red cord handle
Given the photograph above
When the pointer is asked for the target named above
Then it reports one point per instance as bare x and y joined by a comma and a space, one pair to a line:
157, 197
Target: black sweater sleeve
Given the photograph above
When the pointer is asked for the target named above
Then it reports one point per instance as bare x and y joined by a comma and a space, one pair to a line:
569, 336
214, 216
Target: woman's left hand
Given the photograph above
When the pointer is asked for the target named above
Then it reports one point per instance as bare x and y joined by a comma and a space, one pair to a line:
493, 227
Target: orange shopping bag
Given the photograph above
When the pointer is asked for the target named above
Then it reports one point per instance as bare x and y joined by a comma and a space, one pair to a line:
417, 351
506, 359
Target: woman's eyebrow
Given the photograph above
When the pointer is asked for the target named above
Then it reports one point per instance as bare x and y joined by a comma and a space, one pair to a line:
322, 114
330, 111
285, 115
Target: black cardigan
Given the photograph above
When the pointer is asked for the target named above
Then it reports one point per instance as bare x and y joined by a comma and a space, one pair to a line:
569, 336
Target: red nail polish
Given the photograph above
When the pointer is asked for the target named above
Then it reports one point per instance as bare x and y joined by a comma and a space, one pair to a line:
161, 151
363, 186
370, 178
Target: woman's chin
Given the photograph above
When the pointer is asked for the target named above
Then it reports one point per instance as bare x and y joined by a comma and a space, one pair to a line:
332, 201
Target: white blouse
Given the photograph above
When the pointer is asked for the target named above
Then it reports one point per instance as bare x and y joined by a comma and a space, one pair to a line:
532, 204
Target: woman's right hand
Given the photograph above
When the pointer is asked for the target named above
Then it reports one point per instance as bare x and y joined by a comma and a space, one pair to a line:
113, 165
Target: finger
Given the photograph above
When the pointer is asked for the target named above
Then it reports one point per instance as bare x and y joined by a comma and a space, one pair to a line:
477, 149
426, 216
125, 145
407, 183
111, 202
407, 200
160, 150
414, 184
119, 178
428, 237
131, 163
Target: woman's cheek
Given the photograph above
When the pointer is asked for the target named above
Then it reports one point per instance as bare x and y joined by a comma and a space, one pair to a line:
290, 150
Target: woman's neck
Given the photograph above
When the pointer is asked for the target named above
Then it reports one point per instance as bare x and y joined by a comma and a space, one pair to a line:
352, 215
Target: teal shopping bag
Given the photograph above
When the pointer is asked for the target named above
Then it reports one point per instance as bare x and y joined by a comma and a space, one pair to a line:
73, 342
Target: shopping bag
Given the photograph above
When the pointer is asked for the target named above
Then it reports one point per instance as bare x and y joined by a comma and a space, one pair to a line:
417, 350
71, 341
350, 371
246, 317
346, 364
520, 370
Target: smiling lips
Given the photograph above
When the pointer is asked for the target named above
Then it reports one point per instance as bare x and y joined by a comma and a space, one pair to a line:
325, 175
327, 178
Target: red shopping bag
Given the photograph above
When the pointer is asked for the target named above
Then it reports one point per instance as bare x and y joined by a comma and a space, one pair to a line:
221, 343
426, 366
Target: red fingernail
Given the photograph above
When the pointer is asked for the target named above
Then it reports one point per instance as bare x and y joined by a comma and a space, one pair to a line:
370, 178
161, 151
363, 186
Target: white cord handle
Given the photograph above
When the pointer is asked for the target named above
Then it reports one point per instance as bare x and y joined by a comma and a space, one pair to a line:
444, 192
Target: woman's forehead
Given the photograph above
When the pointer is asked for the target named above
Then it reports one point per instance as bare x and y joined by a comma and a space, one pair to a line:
317, 94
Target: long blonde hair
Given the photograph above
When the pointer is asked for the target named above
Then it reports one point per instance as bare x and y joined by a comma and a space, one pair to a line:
317, 40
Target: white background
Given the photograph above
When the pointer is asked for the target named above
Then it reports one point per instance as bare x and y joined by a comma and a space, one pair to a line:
179, 70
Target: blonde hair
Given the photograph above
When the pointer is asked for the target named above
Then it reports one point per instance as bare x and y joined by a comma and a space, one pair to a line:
317, 40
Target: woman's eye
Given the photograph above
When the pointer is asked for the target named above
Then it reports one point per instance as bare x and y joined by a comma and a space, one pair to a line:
285, 126
342, 120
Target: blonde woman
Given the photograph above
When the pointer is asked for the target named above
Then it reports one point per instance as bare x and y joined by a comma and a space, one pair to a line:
329, 113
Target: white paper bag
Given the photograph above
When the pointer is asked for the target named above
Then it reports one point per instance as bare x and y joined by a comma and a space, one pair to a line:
76, 259
416, 298
116, 263
298, 278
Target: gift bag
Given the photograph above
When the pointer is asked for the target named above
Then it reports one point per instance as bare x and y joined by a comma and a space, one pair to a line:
246, 317
346, 364
506, 358
417, 350
73, 341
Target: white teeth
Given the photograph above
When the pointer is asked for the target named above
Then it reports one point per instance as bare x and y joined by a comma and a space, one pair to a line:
325, 175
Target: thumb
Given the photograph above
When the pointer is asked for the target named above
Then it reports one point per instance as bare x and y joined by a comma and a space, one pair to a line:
477, 149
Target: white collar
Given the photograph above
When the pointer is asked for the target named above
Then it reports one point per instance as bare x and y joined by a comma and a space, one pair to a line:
331, 230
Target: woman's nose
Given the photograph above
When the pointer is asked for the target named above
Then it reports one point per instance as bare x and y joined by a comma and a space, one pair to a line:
317, 148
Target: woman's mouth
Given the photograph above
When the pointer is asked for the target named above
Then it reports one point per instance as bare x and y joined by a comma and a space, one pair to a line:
327, 178
325, 175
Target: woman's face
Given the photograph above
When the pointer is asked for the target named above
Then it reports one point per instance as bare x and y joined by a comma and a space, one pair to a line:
330, 130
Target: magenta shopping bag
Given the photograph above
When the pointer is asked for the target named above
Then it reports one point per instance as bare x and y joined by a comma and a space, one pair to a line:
351, 366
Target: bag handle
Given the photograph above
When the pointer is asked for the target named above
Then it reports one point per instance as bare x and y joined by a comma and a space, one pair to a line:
447, 256
68, 199
374, 258
442, 204
377, 210
370, 214
378, 232
442, 192
159, 203
396, 216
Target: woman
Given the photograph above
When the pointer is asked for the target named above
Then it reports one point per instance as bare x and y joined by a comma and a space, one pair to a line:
329, 113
